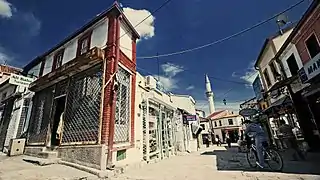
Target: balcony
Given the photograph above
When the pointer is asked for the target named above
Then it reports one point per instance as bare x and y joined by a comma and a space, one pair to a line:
78, 64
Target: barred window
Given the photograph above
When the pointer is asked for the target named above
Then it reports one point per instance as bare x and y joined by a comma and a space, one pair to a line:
122, 119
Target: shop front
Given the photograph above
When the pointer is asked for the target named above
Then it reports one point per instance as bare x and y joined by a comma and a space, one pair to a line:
158, 126
66, 111
310, 74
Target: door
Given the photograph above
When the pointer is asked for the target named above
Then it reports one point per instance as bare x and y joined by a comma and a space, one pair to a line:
56, 130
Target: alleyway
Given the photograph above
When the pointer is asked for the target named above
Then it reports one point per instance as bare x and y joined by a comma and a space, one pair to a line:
218, 164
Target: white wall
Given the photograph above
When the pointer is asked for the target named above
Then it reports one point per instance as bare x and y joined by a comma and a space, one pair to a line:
184, 102
291, 49
99, 38
125, 41
225, 122
278, 41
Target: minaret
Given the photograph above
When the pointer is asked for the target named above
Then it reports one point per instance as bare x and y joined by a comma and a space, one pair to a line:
209, 95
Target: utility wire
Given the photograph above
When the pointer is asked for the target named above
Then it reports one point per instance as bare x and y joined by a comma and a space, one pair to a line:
226, 38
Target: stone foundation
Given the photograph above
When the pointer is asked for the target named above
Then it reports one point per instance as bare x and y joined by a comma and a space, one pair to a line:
94, 156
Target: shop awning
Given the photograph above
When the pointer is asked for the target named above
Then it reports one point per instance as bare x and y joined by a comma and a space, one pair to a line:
277, 105
92, 58
283, 83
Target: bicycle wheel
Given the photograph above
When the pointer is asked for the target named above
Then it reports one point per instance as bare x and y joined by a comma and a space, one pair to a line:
252, 158
274, 158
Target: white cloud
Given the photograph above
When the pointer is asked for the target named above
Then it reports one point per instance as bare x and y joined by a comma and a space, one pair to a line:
135, 16
171, 70
190, 87
250, 74
168, 83
6, 9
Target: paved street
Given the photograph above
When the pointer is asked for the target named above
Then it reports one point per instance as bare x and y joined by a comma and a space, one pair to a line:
210, 163
14, 168
218, 164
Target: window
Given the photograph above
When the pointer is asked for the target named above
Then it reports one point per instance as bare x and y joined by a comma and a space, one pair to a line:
313, 46
84, 44
57, 61
215, 124
293, 66
220, 124
121, 155
266, 77
203, 127
274, 70
122, 119
230, 121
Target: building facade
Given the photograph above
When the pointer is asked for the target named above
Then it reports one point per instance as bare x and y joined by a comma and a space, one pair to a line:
228, 125
299, 57
84, 103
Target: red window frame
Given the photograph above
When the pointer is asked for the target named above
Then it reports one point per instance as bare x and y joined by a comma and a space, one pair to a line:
58, 62
85, 37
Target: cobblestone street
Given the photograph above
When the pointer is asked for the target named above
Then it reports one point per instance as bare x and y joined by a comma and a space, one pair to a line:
218, 164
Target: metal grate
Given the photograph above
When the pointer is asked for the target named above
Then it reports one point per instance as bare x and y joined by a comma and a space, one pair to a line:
40, 117
122, 119
81, 123
23, 117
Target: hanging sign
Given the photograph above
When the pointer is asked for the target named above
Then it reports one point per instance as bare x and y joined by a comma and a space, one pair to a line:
310, 69
20, 80
191, 117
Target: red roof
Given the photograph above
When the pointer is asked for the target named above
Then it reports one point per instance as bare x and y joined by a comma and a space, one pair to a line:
211, 116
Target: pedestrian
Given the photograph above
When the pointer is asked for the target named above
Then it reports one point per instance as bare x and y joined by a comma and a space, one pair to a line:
288, 137
228, 140
218, 140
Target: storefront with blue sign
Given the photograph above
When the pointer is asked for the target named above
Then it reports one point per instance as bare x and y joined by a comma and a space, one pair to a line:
310, 75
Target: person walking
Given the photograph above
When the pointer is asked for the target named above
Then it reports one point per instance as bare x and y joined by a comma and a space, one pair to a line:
288, 137
228, 140
218, 140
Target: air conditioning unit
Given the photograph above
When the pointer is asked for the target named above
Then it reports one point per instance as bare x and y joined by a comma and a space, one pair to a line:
151, 82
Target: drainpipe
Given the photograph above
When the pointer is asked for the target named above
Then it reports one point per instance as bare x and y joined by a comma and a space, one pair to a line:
114, 97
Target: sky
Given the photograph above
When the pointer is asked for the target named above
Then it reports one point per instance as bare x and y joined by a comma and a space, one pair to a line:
29, 28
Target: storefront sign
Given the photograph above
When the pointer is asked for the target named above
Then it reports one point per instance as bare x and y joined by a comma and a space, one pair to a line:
310, 69
191, 117
20, 80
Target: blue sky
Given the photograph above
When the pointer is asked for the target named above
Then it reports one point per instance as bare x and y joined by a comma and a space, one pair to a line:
28, 28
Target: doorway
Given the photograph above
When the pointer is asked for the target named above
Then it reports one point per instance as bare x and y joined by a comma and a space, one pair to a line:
59, 107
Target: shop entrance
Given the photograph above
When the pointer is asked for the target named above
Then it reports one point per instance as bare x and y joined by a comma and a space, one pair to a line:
314, 102
59, 106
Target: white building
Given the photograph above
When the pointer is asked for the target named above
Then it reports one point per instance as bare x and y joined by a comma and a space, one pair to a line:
230, 124
159, 128
16, 100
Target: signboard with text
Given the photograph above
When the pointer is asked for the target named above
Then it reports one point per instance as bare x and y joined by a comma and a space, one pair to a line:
20, 80
310, 69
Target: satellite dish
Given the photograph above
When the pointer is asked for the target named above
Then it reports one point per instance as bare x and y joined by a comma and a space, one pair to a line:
248, 112
282, 20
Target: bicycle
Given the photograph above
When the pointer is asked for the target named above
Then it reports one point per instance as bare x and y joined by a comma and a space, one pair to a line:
269, 154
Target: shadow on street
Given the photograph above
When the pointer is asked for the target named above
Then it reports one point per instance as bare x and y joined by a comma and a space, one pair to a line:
231, 160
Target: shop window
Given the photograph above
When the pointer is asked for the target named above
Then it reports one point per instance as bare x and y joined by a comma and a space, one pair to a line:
266, 77
215, 124
57, 61
121, 155
313, 46
220, 124
84, 44
293, 66
230, 121
122, 118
